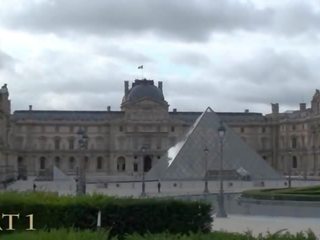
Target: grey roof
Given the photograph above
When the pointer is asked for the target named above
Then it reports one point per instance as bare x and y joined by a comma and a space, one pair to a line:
66, 115
188, 117
186, 160
144, 89
229, 117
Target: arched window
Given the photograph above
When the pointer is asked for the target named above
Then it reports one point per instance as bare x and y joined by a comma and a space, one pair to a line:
121, 164
99, 163
294, 162
57, 161
42, 163
294, 142
71, 163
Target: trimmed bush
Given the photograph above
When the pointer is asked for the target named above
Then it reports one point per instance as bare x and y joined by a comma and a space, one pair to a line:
121, 215
291, 194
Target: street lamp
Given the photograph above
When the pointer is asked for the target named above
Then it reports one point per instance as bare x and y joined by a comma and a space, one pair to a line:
83, 145
221, 211
289, 168
143, 192
206, 190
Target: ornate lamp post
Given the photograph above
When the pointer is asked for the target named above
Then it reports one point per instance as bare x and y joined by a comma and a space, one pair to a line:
289, 168
206, 189
83, 145
221, 211
143, 191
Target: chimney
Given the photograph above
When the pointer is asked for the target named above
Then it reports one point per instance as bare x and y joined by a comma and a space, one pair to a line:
303, 106
109, 108
275, 108
30, 107
246, 110
160, 85
174, 110
126, 87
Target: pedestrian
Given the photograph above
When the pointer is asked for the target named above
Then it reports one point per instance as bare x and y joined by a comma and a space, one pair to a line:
34, 187
159, 186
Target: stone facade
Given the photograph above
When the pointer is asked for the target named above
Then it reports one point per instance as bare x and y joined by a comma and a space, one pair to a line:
122, 142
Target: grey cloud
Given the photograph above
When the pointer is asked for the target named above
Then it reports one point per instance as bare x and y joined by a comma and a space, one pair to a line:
284, 77
122, 53
57, 80
268, 66
6, 61
192, 20
193, 59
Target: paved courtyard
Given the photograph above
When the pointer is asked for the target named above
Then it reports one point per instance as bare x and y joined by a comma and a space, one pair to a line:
262, 224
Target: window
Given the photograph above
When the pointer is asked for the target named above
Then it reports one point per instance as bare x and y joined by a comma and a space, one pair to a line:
294, 162
71, 143
303, 141
56, 143
99, 163
173, 128
57, 161
71, 163
135, 167
71, 129
42, 163
121, 164
57, 128
121, 128
263, 130
242, 130
293, 127
86, 162
294, 142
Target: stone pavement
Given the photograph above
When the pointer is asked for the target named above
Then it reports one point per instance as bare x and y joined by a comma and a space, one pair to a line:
264, 224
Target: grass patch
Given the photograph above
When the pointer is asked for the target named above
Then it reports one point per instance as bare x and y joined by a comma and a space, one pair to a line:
69, 234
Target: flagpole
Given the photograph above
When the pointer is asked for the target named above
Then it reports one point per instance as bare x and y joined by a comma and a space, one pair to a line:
141, 67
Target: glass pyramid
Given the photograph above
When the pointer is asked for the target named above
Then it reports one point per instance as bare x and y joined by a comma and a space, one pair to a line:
189, 160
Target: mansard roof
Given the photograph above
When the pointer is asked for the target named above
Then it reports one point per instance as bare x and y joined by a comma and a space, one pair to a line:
66, 115
188, 117
224, 116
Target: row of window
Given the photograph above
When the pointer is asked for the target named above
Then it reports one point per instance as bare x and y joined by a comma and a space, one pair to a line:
57, 128
72, 163
243, 130
294, 127
147, 164
121, 129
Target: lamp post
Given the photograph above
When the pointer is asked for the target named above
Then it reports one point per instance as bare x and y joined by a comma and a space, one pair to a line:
221, 211
206, 189
143, 190
83, 145
289, 168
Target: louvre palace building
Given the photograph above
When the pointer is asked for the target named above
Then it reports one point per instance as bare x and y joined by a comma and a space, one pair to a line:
127, 142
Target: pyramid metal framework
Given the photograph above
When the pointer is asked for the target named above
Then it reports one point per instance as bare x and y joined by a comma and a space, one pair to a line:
188, 159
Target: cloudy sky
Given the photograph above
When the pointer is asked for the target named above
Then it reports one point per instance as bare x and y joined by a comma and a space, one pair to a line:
228, 54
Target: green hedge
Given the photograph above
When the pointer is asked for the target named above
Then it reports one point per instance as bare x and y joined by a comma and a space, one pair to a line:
99, 235
121, 215
291, 194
